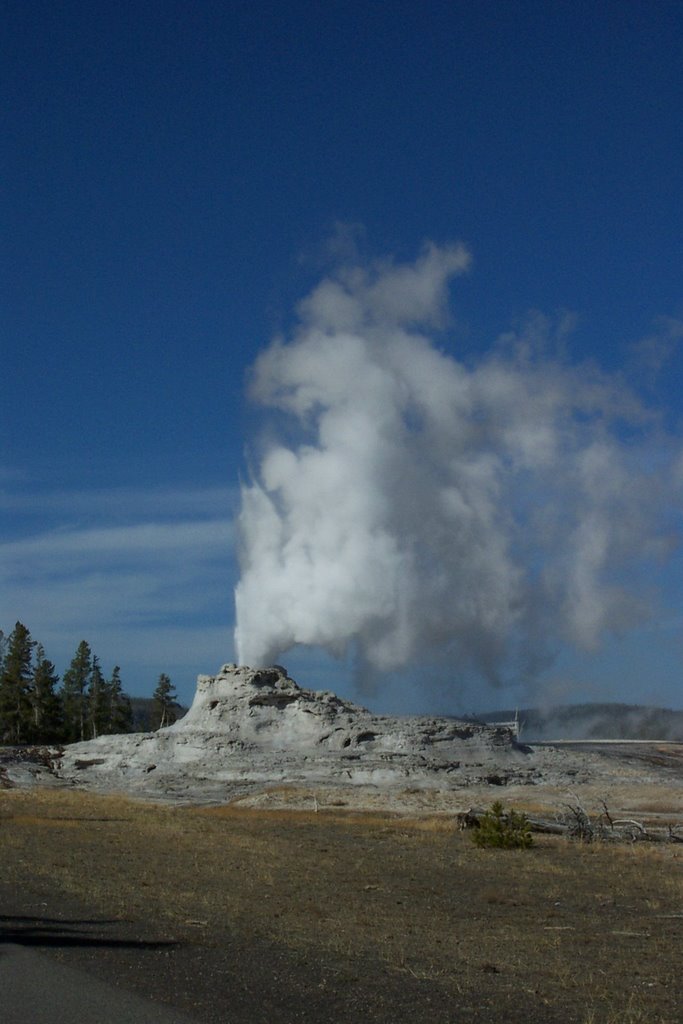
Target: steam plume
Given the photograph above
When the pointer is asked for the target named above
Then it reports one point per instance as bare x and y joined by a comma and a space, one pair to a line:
493, 510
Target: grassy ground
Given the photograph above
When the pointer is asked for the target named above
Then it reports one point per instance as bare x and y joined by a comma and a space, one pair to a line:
394, 918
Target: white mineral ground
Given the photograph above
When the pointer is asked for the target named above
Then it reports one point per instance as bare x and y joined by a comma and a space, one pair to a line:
256, 737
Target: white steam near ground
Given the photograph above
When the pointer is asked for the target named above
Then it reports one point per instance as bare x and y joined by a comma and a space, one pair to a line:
419, 506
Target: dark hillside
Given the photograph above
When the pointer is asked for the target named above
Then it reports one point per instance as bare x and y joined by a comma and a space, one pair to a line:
145, 714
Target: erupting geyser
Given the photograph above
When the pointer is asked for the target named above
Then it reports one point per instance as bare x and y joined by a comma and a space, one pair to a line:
496, 509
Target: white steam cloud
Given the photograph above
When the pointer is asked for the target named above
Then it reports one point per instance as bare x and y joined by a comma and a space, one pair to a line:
491, 511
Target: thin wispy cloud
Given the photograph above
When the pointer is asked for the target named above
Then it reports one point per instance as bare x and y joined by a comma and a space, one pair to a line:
144, 590
144, 541
32, 499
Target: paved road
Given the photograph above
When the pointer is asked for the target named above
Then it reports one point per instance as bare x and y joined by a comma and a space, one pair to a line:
60, 964
36, 989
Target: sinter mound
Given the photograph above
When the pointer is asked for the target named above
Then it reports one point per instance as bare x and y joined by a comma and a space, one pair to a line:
249, 729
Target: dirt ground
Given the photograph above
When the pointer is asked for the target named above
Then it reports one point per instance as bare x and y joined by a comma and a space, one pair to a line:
241, 914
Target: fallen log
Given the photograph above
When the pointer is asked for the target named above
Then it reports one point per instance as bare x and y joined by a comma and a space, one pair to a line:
578, 825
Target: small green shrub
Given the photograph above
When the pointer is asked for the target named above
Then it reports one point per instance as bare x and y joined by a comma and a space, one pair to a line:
503, 830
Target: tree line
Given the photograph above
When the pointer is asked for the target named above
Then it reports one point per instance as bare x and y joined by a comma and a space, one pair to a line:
37, 707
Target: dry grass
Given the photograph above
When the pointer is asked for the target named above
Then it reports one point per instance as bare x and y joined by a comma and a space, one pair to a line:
590, 934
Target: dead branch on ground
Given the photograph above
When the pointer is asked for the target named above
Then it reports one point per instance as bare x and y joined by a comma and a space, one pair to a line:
576, 823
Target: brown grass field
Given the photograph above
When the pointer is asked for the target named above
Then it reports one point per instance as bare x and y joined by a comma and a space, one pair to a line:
237, 914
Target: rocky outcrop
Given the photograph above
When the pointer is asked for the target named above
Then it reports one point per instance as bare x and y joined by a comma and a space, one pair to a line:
250, 728
265, 710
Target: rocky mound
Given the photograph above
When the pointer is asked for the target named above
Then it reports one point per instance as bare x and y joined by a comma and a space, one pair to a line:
265, 710
250, 727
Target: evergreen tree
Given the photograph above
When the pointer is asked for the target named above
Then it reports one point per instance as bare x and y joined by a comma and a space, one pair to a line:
3, 652
164, 702
48, 720
98, 700
75, 693
120, 710
16, 684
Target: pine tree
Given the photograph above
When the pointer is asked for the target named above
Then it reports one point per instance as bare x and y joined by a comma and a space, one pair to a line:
164, 702
98, 700
74, 693
48, 719
3, 653
16, 684
120, 710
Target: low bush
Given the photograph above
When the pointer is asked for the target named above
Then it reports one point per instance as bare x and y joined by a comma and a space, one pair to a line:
503, 830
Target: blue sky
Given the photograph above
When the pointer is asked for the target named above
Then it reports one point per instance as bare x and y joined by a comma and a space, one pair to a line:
173, 175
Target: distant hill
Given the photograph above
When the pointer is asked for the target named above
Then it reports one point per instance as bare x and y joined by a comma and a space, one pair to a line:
594, 721
144, 713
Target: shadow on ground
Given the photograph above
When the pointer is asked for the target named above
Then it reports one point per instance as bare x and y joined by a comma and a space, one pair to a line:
51, 932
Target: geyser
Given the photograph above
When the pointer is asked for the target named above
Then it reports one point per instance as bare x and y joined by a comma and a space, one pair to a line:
496, 509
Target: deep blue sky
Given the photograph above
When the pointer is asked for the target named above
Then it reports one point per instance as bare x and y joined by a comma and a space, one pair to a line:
171, 174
